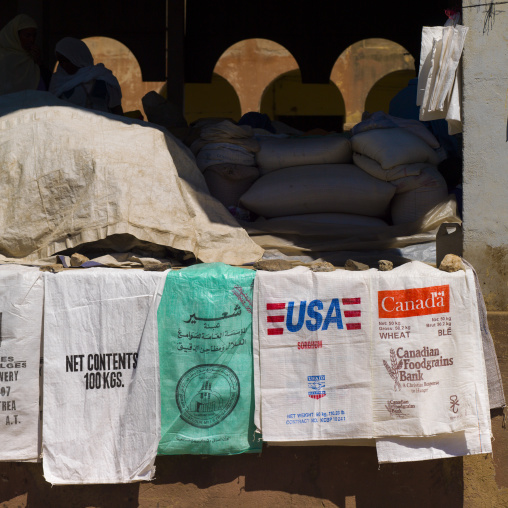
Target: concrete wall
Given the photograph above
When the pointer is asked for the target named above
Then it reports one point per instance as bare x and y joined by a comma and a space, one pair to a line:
485, 101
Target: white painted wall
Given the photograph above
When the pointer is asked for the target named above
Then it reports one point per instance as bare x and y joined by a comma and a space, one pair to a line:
485, 108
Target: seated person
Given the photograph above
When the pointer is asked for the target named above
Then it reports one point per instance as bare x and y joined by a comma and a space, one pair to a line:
79, 81
19, 56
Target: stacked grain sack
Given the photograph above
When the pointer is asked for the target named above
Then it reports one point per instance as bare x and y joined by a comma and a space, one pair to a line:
404, 153
312, 179
225, 154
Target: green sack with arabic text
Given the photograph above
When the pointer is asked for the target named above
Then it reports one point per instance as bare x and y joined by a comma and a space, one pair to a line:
206, 365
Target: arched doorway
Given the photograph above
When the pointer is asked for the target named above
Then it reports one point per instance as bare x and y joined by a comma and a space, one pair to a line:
385, 90
121, 61
304, 106
361, 66
217, 99
250, 66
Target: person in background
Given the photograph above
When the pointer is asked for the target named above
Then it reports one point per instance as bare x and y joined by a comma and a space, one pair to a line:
79, 81
19, 56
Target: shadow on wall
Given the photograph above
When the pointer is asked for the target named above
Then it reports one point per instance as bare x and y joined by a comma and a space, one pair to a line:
304, 106
386, 89
280, 474
23, 485
300, 476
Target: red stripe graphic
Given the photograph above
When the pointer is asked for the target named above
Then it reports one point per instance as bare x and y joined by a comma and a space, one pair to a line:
353, 326
275, 306
352, 313
351, 301
275, 319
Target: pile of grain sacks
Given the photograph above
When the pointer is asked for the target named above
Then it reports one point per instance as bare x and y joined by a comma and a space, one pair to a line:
386, 173
225, 153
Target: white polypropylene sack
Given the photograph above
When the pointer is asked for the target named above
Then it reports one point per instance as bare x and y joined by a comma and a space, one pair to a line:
312, 365
430, 178
381, 120
228, 182
423, 352
430, 52
374, 168
277, 153
469, 442
101, 375
224, 153
393, 147
438, 80
324, 188
335, 219
416, 195
72, 176
21, 304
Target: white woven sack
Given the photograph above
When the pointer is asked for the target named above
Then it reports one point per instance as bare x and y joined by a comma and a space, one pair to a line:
313, 372
430, 178
425, 192
470, 442
228, 182
336, 219
21, 304
381, 120
393, 147
324, 188
101, 376
439, 78
277, 153
374, 168
423, 352
224, 153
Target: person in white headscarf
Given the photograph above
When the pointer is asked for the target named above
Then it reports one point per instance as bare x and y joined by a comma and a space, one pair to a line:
19, 56
79, 81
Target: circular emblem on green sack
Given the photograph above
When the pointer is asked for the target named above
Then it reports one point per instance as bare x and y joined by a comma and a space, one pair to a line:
206, 395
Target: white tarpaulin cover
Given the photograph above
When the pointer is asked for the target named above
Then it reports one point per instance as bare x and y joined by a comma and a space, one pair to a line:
21, 302
70, 176
101, 376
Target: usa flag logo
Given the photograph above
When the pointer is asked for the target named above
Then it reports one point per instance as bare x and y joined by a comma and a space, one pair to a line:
316, 387
315, 315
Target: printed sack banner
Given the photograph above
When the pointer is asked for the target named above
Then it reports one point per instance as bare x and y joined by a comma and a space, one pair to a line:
470, 442
313, 370
101, 378
423, 352
21, 304
205, 350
